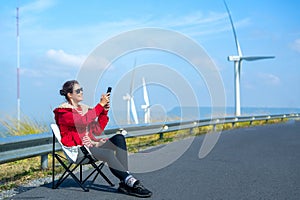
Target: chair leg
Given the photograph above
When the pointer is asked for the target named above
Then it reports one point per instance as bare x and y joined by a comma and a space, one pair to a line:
80, 173
98, 168
53, 170
53, 160
70, 172
95, 169
101, 173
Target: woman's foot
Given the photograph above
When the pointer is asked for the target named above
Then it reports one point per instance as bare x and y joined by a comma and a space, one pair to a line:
137, 190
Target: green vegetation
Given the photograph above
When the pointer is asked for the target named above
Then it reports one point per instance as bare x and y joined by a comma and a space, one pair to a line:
15, 173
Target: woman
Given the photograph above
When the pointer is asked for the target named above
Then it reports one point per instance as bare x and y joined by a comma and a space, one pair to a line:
78, 124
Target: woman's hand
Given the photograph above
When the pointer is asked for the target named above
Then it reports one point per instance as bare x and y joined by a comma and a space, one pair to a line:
100, 142
107, 106
104, 99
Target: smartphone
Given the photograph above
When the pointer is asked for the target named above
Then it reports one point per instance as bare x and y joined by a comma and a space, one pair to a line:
108, 90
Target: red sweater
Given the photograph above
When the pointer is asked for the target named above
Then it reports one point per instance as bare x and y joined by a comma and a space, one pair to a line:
73, 125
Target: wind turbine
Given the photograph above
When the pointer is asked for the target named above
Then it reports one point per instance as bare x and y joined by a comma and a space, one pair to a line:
130, 101
238, 63
146, 107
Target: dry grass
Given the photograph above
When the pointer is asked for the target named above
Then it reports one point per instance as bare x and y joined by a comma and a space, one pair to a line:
23, 127
19, 172
15, 173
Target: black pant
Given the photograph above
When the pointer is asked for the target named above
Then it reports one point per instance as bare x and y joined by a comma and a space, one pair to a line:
114, 152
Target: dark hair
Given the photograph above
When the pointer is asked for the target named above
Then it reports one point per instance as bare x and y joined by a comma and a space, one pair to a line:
68, 88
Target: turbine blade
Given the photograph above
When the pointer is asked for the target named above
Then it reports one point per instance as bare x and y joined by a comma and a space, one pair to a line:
133, 111
132, 78
146, 98
252, 58
239, 51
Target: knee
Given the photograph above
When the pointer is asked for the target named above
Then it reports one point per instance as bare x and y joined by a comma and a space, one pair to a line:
118, 139
119, 142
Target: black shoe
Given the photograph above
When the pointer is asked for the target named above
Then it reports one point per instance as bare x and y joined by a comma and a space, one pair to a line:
137, 190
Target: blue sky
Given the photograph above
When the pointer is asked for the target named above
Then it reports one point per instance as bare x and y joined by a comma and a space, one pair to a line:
57, 36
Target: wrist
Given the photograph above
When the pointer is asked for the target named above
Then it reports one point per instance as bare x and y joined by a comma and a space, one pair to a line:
102, 104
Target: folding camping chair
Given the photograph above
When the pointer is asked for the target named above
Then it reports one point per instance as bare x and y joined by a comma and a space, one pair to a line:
77, 156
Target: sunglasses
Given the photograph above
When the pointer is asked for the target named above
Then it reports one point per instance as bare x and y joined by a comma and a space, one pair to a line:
79, 90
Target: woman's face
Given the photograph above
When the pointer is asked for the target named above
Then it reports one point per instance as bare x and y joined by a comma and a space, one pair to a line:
77, 95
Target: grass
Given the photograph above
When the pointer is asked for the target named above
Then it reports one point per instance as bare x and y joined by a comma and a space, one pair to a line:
19, 172
16, 173
23, 127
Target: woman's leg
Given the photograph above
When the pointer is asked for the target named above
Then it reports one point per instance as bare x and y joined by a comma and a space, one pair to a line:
114, 152
108, 155
118, 144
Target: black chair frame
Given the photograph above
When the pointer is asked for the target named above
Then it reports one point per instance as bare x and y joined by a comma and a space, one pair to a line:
71, 167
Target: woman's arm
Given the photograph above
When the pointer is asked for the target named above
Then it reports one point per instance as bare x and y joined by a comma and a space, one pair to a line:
73, 118
98, 126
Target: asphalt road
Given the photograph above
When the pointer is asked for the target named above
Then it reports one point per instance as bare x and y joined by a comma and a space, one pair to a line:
260, 162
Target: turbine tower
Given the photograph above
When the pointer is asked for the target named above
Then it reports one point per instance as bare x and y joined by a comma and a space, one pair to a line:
238, 64
130, 101
146, 107
18, 71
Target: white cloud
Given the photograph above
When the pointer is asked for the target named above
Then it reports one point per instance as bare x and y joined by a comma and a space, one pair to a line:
42, 72
30, 13
197, 18
37, 6
31, 72
86, 35
196, 24
296, 45
269, 79
61, 57
192, 24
